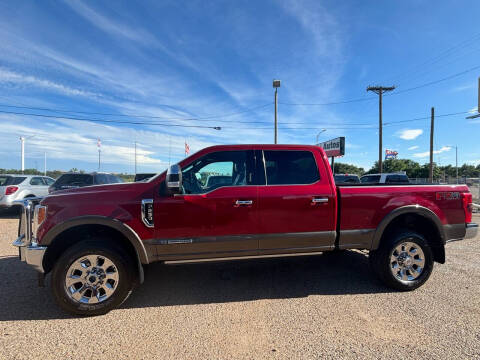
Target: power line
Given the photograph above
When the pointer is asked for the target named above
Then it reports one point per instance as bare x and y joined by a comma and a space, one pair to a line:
137, 115
392, 94
435, 81
110, 121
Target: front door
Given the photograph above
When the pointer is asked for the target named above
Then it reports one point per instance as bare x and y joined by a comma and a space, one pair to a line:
216, 214
297, 206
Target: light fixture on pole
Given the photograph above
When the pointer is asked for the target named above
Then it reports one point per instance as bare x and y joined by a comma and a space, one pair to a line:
321, 131
276, 85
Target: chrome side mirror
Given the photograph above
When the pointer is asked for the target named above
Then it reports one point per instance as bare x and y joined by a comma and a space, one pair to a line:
174, 179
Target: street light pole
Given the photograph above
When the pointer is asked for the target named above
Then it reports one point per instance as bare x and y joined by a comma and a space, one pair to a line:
22, 139
135, 158
276, 85
322, 131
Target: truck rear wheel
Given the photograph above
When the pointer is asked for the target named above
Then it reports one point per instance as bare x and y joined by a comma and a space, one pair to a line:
92, 278
404, 261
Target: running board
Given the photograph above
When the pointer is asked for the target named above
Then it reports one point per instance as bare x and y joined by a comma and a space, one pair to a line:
173, 262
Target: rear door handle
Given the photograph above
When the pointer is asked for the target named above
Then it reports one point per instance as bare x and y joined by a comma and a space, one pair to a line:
243, 202
319, 200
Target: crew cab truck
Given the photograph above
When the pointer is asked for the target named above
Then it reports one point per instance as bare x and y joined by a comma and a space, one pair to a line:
270, 200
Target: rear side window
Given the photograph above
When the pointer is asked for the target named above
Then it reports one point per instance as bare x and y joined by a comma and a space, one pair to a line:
11, 180
292, 167
370, 179
3, 180
112, 179
397, 179
75, 179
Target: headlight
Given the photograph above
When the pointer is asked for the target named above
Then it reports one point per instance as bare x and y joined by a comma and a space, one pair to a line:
39, 216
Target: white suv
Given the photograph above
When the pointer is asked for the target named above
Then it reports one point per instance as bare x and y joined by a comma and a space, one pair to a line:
18, 187
385, 178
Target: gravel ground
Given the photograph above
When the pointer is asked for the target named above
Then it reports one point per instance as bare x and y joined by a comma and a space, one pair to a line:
326, 306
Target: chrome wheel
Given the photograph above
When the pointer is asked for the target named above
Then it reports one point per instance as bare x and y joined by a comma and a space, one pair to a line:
91, 279
407, 261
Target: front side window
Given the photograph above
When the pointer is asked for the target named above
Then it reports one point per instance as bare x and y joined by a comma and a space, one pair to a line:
290, 167
36, 181
48, 181
225, 168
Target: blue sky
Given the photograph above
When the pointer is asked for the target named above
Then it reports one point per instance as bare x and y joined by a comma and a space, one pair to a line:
214, 61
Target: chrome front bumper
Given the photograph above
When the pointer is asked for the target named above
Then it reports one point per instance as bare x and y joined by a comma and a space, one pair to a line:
28, 249
31, 254
471, 231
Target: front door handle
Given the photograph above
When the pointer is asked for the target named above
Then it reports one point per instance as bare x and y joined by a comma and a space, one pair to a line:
243, 202
319, 200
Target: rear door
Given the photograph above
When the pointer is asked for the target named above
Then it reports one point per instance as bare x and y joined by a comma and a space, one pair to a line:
297, 205
217, 213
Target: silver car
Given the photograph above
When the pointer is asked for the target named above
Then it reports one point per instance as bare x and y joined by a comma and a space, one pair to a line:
18, 187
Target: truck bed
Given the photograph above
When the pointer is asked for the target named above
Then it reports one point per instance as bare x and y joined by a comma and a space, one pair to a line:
362, 208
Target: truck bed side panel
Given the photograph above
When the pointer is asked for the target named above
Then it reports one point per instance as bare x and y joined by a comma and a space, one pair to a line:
362, 208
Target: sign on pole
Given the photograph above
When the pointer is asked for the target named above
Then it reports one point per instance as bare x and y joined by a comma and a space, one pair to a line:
334, 147
390, 154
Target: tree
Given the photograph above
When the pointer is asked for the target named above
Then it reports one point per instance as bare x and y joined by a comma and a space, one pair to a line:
341, 168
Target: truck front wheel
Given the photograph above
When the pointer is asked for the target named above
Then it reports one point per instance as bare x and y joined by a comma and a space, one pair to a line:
404, 260
92, 277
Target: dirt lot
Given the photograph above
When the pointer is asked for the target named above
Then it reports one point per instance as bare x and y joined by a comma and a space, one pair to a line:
325, 306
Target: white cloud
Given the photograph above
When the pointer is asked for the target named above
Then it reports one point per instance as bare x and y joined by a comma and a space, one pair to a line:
7, 76
414, 147
427, 153
409, 134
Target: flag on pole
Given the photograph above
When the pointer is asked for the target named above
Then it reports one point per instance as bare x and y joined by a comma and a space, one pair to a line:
390, 154
187, 149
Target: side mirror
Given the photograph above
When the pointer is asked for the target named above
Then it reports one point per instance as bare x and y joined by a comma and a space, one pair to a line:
174, 179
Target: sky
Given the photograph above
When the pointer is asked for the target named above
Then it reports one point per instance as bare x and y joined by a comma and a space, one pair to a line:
162, 73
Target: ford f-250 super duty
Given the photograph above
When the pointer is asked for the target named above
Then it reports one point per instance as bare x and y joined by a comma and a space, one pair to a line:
234, 202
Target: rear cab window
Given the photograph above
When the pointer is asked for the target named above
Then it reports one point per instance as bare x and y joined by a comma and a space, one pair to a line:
75, 179
290, 167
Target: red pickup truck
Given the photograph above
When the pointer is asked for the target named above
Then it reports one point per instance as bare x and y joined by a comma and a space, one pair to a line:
234, 202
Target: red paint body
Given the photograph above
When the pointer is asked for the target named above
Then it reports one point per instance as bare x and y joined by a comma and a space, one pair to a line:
276, 209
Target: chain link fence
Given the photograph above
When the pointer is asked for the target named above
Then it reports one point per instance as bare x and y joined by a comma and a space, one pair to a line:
472, 183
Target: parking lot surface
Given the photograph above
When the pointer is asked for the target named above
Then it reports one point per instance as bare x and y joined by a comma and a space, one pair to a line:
326, 306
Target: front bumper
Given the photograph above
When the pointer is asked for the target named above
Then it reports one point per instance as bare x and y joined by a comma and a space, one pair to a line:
31, 254
471, 230
28, 249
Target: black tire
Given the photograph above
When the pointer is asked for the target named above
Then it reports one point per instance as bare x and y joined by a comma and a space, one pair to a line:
123, 264
380, 261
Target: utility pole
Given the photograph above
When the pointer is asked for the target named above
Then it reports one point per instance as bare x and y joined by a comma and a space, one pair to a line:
379, 90
276, 85
432, 121
22, 139
45, 164
456, 161
99, 145
135, 158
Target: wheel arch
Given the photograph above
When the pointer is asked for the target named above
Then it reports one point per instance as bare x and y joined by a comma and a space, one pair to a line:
57, 244
417, 218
